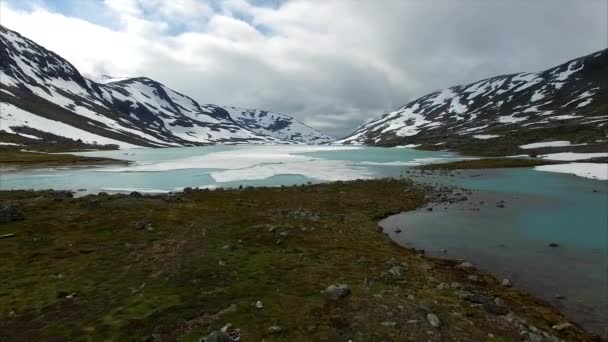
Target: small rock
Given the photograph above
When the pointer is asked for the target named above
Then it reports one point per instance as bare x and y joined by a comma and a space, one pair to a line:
465, 265
259, 305
10, 213
473, 277
442, 286
337, 291
563, 326
389, 324
479, 299
560, 297
553, 244
495, 309
429, 209
443, 250
433, 320
397, 231
506, 282
218, 336
275, 329
393, 262
71, 295
143, 224
284, 234
396, 271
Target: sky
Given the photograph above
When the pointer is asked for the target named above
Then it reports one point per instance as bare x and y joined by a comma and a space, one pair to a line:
332, 64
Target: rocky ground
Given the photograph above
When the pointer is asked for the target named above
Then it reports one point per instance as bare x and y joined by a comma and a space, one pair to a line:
275, 264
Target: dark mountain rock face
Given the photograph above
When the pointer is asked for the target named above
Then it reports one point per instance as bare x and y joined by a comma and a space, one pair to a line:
570, 100
43, 91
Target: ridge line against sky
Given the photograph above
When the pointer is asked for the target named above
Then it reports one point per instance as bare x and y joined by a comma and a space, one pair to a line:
331, 64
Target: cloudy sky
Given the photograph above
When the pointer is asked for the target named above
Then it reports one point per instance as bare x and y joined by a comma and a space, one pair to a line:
333, 64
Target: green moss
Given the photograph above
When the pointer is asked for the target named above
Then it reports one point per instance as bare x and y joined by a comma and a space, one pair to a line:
490, 163
212, 254
24, 159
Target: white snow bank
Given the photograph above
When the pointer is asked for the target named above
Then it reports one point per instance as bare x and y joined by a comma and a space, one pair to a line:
557, 143
485, 136
11, 116
588, 170
569, 156
408, 146
325, 170
9, 144
238, 158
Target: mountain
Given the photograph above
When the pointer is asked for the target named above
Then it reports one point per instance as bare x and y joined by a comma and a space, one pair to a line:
44, 98
567, 101
276, 125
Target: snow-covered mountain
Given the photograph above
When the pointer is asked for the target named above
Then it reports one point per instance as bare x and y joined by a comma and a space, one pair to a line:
44, 97
277, 125
572, 97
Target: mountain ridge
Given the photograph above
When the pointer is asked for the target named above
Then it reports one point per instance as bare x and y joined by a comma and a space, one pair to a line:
44, 97
572, 94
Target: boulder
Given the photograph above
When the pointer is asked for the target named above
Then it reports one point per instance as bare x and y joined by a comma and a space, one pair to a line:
10, 213
337, 291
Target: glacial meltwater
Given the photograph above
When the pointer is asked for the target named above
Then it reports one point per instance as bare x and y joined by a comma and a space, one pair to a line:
511, 241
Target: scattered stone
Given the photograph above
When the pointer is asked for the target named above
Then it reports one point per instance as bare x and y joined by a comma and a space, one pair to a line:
563, 326
500, 205
337, 291
560, 297
465, 265
442, 286
284, 234
433, 320
412, 321
393, 262
429, 209
10, 213
553, 244
506, 282
275, 329
233, 333
473, 277
71, 295
389, 324
443, 250
135, 194
397, 231
143, 224
259, 305
495, 309
478, 299
397, 271
6, 236
218, 336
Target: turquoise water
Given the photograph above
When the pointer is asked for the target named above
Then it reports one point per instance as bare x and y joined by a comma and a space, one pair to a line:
512, 242
541, 207
171, 169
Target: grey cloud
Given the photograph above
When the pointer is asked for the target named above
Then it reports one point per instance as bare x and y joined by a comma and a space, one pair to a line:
337, 64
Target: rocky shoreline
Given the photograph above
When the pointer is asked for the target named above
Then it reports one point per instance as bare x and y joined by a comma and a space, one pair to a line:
290, 263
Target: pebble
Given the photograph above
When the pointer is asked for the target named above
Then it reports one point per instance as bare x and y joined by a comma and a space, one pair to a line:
337, 291
563, 326
433, 320
506, 282
259, 305
465, 265
473, 277
275, 329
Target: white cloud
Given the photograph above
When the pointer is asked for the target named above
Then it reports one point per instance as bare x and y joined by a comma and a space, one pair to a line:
332, 64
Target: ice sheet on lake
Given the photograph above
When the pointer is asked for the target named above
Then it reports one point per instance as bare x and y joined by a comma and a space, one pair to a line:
570, 156
588, 170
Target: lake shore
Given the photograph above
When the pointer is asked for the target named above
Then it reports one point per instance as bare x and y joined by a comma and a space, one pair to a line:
184, 265
13, 158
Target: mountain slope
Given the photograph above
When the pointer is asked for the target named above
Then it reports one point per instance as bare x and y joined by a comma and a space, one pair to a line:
567, 98
277, 125
44, 98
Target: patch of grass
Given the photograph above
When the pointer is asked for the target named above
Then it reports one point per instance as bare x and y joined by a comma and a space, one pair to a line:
489, 163
21, 158
210, 255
